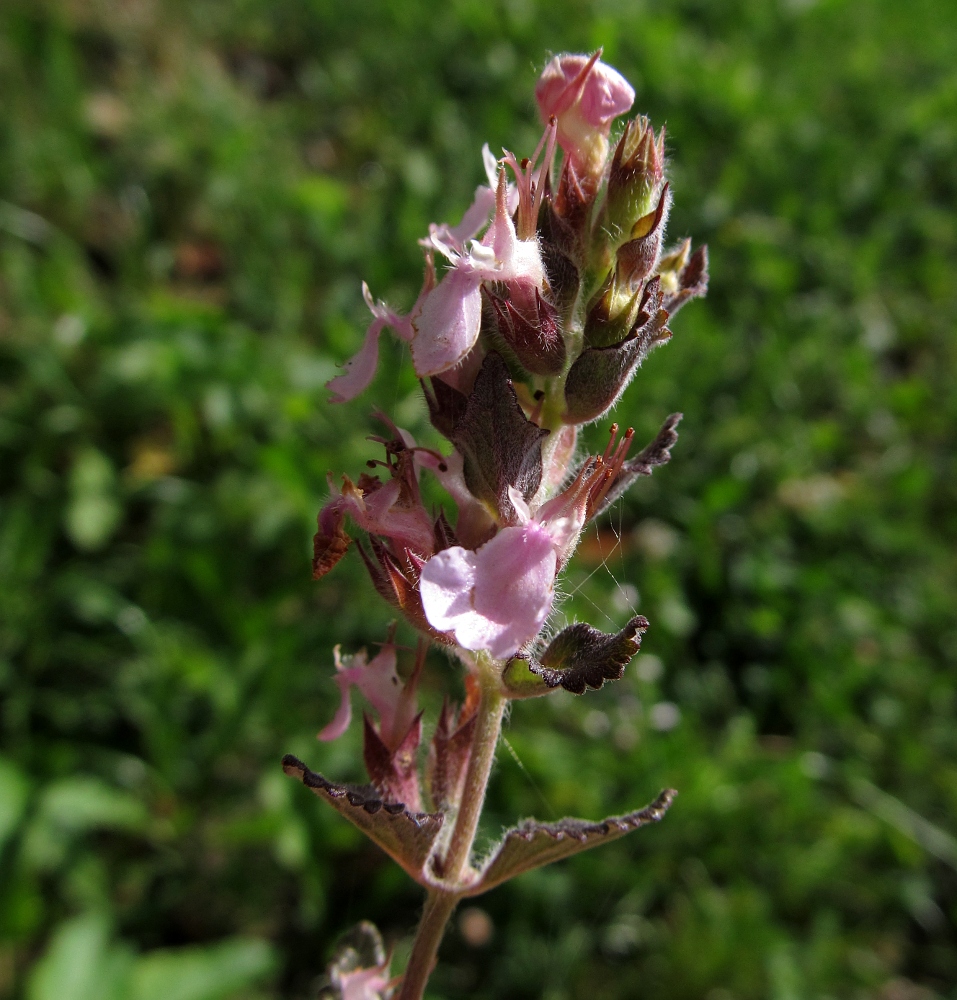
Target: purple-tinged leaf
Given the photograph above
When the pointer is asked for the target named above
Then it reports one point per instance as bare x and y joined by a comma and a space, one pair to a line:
446, 405
532, 844
407, 837
580, 656
528, 330
449, 754
563, 276
500, 445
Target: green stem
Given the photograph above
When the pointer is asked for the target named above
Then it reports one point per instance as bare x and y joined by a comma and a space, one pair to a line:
438, 909
488, 727
439, 904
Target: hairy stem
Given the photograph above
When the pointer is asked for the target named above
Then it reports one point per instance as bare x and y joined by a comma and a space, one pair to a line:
438, 909
439, 904
488, 727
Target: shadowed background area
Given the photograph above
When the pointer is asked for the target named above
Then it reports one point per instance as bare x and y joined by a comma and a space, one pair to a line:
190, 195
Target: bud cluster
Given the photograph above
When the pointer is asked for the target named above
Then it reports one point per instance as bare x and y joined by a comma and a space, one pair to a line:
558, 285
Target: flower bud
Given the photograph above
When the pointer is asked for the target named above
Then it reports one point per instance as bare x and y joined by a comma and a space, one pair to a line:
613, 314
638, 258
585, 96
635, 178
684, 275
599, 375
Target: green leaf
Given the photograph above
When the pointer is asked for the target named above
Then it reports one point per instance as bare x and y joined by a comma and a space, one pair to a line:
80, 963
14, 790
87, 803
211, 973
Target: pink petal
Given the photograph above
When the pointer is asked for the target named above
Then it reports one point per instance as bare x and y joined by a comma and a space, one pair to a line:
363, 984
342, 718
360, 368
446, 587
502, 256
476, 215
380, 683
448, 325
515, 576
380, 513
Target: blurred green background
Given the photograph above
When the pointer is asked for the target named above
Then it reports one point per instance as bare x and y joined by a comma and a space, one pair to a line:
190, 195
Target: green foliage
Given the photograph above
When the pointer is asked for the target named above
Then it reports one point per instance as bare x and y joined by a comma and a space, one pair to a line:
190, 195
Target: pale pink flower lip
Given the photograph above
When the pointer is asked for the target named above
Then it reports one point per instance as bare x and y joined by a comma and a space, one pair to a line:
360, 368
378, 681
448, 326
498, 597
363, 984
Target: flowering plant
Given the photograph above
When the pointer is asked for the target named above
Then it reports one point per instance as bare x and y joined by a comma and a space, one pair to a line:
557, 287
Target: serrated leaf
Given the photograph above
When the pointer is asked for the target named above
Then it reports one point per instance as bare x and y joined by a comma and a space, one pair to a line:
532, 844
407, 837
581, 656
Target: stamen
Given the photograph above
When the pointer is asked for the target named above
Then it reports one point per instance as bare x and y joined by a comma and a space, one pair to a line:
613, 433
619, 457
601, 487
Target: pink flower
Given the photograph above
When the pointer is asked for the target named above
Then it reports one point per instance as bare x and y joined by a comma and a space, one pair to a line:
392, 510
380, 509
448, 325
443, 325
364, 984
498, 597
360, 369
379, 682
585, 95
